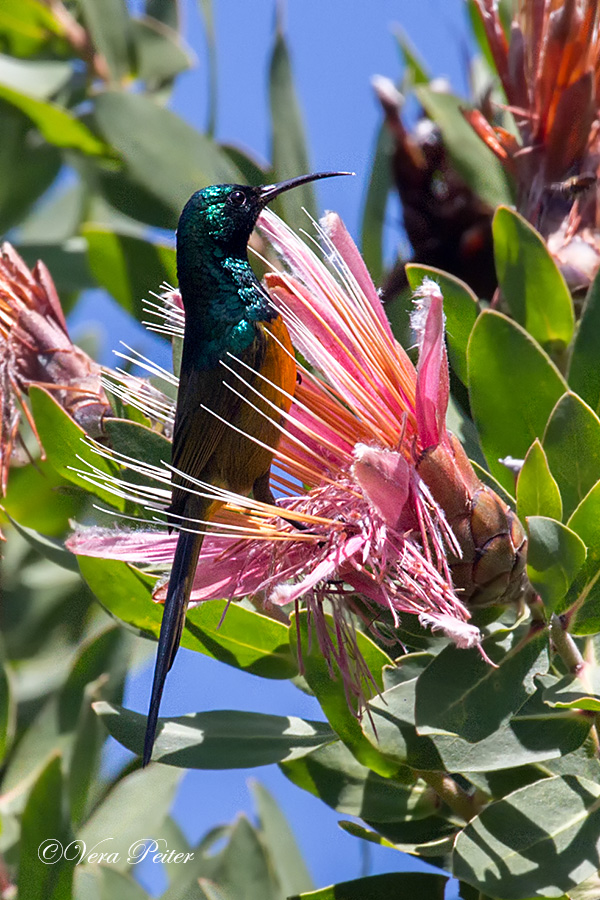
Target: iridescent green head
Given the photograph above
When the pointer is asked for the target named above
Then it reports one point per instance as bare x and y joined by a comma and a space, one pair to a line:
222, 216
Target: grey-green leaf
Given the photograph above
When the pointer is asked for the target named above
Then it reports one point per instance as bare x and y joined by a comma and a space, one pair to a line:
460, 693
399, 885
537, 490
334, 775
109, 26
511, 403
541, 840
584, 368
572, 444
291, 870
146, 797
531, 282
289, 150
146, 134
43, 870
218, 739
554, 557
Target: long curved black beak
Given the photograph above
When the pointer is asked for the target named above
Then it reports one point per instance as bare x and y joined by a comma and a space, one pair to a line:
269, 191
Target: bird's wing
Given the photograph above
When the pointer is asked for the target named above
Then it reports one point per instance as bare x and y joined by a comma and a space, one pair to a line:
198, 431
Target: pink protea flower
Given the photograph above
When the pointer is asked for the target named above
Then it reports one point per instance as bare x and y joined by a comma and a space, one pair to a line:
372, 484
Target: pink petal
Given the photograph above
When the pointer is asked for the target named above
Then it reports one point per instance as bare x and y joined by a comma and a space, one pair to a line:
286, 593
432, 370
341, 240
463, 634
220, 573
129, 546
384, 476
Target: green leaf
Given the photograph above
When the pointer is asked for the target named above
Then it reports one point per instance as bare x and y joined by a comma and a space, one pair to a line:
442, 846
241, 638
101, 659
582, 762
537, 491
110, 29
128, 267
399, 885
176, 839
103, 882
415, 66
572, 444
164, 11
380, 184
554, 556
541, 840
510, 403
85, 757
124, 196
146, 135
585, 522
572, 692
160, 53
334, 775
531, 282
10, 834
587, 890
243, 871
532, 736
206, 8
49, 548
65, 444
461, 309
329, 689
55, 223
27, 26
38, 78
8, 713
253, 171
218, 739
39, 498
391, 728
460, 693
27, 166
131, 814
138, 441
290, 868
43, 871
289, 154
57, 124
584, 368
480, 168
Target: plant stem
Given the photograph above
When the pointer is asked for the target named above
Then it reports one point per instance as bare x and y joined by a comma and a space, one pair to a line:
463, 804
565, 646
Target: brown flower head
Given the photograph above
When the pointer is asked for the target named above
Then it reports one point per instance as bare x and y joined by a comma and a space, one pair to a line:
447, 224
36, 350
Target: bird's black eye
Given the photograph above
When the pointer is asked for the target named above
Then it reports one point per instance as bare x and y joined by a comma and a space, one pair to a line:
237, 198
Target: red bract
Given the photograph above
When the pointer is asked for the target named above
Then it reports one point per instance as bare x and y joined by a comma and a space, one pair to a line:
549, 67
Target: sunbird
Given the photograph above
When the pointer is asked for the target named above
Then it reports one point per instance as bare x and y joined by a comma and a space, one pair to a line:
225, 431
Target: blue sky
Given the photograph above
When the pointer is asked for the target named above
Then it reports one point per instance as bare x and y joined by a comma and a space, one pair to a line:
336, 46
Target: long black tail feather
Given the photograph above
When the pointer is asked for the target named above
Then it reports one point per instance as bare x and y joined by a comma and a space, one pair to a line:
178, 595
